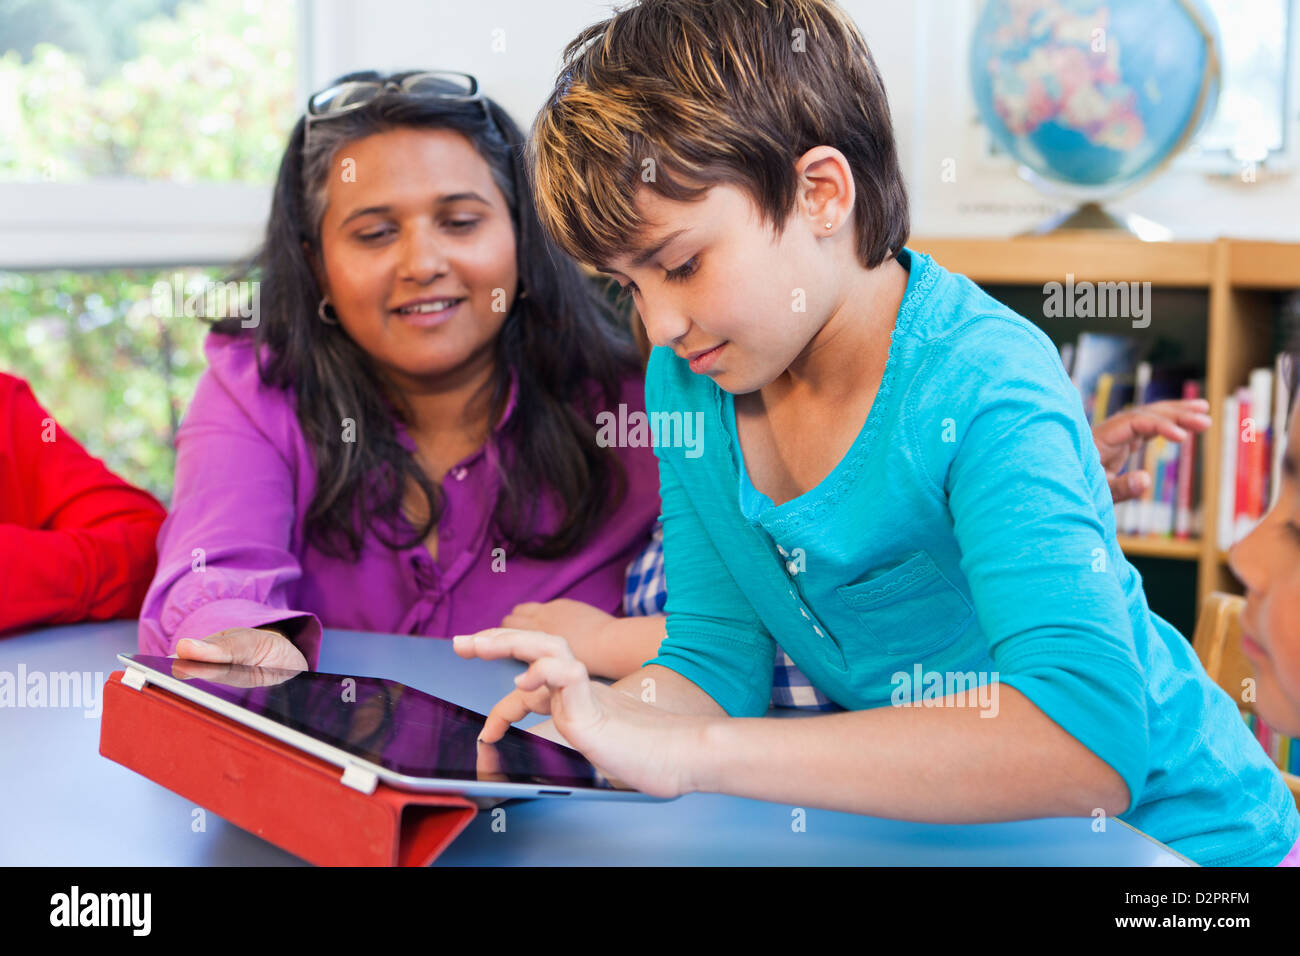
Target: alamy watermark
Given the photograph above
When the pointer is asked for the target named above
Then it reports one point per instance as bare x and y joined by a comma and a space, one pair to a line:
75, 908
1101, 300
204, 299
922, 688
76, 689
657, 429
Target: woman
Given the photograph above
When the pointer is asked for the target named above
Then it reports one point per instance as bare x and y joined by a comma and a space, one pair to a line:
405, 441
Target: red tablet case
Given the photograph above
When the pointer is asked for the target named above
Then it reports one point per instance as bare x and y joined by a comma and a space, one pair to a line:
290, 798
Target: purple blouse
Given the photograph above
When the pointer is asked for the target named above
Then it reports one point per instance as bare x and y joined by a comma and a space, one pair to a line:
232, 552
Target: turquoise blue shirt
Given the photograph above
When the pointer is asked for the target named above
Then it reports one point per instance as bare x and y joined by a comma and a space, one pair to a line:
968, 533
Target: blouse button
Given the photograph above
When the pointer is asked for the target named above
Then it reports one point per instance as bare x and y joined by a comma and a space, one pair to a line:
459, 473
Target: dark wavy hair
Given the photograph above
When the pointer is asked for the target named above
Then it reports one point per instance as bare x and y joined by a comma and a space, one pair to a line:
562, 341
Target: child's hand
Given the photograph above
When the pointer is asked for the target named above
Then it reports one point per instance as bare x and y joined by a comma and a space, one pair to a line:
628, 740
1118, 435
581, 625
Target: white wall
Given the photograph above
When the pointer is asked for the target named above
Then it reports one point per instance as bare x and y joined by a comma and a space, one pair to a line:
989, 198
920, 46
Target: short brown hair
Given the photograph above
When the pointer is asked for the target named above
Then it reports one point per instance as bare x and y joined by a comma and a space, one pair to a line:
702, 92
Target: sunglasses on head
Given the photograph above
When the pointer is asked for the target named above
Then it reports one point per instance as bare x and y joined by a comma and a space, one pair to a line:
342, 98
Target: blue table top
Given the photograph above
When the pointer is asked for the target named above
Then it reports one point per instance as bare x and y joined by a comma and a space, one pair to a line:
64, 804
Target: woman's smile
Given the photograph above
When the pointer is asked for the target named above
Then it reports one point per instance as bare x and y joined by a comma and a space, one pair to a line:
429, 313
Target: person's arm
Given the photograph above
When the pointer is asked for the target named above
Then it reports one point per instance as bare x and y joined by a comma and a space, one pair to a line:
76, 541
623, 644
226, 555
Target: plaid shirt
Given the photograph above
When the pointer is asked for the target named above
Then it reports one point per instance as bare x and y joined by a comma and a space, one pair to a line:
646, 592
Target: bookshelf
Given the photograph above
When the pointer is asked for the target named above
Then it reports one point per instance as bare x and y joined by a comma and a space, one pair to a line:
1239, 282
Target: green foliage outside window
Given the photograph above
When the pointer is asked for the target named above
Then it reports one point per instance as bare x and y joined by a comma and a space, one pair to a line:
207, 92
117, 376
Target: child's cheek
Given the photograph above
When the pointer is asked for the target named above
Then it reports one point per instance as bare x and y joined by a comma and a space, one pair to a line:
1284, 646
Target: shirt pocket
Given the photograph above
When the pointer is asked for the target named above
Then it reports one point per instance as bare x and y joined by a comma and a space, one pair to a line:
909, 608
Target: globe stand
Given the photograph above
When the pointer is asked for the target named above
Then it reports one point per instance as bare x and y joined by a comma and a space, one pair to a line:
1092, 218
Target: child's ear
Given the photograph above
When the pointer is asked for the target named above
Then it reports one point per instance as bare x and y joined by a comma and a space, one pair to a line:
826, 186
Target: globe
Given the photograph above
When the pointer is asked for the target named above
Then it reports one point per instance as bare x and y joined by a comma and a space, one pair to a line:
1094, 95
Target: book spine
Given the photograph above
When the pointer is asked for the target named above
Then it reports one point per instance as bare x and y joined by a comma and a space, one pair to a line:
1245, 460
1261, 403
1171, 488
1186, 468
1127, 520
1281, 403
1151, 464
1227, 472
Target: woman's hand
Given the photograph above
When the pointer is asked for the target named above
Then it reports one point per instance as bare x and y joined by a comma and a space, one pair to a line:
1120, 434
626, 739
257, 647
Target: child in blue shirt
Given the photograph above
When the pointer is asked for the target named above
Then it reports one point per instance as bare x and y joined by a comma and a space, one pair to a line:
896, 479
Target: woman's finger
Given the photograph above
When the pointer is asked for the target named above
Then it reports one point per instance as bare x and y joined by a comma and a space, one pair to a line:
244, 645
215, 649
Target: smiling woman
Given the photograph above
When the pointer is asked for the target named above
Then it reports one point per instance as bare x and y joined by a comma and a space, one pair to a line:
404, 440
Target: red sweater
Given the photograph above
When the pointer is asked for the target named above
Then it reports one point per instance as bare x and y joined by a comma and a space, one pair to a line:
76, 541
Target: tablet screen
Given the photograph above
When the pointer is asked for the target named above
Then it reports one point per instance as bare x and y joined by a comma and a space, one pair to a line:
398, 727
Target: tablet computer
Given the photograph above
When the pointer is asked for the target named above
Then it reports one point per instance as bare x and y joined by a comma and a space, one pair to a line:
378, 729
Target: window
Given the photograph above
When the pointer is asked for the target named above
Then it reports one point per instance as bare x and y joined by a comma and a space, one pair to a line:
109, 358
1250, 123
149, 90
133, 135
143, 132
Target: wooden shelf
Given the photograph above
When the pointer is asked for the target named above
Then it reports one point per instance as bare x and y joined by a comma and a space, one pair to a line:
1239, 276
1037, 259
1263, 265
1187, 549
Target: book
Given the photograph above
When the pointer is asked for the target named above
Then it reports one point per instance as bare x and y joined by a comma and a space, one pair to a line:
1067, 356
1245, 438
1096, 354
1282, 372
1183, 519
1127, 512
1151, 463
1261, 401
1227, 471
1101, 401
